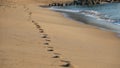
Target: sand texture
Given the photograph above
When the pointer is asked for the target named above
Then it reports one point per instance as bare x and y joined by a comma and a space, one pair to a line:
36, 37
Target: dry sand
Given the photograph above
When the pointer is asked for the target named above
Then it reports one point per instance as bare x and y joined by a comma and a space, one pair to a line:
23, 45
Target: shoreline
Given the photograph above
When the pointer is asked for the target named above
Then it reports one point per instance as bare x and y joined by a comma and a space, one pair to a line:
88, 20
97, 27
92, 25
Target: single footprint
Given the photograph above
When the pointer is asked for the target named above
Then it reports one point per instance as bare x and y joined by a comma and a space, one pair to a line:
46, 43
38, 26
41, 30
56, 55
34, 22
47, 40
44, 36
50, 49
30, 13
65, 64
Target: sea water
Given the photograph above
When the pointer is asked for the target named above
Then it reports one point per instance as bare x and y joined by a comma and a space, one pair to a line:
104, 15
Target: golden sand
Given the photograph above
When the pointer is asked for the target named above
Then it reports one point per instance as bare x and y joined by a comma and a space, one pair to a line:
30, 36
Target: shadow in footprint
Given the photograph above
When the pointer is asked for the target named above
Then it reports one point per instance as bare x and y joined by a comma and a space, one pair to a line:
56, 55
44, 36
38, 26
50, 50
46, 43
65, 64
34, 22
41, 30
30, 13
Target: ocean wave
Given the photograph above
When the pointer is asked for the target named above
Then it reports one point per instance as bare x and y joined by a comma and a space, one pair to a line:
90, 13
97, 15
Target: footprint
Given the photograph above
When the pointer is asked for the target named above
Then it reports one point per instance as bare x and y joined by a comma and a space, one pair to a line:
44, 36
41, 30
30, 13
38, 26
50, 50
47, 40
46, 43
56, 55
65, 64
34, 22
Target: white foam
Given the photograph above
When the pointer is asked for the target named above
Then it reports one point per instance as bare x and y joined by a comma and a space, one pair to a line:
96, 15
66, 10
117, 23
90, 13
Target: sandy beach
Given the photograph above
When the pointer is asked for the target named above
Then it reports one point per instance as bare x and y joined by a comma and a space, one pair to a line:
36, 37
